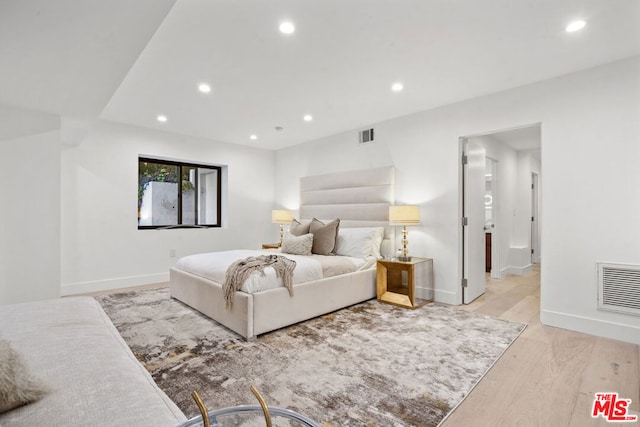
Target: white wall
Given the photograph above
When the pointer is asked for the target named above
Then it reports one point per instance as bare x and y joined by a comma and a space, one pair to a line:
527, 165
590, 203
101, 245
30, 215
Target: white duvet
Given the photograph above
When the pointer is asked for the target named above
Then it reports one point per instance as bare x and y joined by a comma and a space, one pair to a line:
213, 266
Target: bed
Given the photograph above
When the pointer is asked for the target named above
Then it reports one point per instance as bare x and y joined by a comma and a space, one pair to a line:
360, 200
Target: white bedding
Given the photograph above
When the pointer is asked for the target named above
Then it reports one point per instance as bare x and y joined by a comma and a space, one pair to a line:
213, 266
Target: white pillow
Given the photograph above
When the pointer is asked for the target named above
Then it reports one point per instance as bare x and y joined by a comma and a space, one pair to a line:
359, 242
378, 237
297, 245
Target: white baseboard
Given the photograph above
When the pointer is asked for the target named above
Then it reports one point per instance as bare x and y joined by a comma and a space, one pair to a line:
109, 284
446, 297
437, 295
587, 325
518, 271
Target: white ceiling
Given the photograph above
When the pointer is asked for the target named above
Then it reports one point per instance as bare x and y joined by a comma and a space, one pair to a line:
130, 60
68, 57
526, 138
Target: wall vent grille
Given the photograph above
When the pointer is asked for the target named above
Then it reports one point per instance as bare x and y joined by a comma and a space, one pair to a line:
619, 288
366, 136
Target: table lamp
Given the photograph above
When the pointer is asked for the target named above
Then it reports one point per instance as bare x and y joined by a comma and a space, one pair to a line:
404, 215
281, 217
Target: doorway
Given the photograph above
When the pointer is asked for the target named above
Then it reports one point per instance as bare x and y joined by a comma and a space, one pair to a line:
500, 173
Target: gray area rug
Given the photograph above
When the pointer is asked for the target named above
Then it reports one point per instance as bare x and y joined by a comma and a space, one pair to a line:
371, 364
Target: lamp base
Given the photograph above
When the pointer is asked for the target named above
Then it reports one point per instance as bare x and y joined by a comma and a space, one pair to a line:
281, 235
404, 258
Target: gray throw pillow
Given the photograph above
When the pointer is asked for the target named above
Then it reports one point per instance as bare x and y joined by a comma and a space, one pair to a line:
298, 228
325, 236
18, 387
297, 245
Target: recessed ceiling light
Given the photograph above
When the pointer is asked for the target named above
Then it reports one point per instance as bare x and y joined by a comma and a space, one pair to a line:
161, 118
307, 117
204, 88
575, 26
254, 137
287, 28
397, 87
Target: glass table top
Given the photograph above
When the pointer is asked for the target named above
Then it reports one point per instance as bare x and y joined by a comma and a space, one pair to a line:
252, 416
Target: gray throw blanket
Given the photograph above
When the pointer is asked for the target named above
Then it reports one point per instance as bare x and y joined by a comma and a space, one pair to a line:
240, 270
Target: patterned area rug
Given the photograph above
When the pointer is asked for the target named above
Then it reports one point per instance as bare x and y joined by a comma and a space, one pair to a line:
371, 364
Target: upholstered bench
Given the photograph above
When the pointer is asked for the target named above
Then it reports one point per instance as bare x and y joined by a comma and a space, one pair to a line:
93, 378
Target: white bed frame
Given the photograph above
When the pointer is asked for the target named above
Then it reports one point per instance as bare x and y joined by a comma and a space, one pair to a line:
359, 199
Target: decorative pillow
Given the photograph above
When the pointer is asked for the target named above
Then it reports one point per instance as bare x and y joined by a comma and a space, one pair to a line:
360, 242
298, 229
297, 245
18, 387
325, 236
378, 237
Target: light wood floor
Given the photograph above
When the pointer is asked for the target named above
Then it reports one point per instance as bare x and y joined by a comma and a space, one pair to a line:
548, 377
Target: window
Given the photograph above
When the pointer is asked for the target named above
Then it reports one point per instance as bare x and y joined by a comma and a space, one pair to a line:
176, 194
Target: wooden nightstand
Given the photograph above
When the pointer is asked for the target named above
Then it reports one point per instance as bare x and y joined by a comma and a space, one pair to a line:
270, 245
406, 284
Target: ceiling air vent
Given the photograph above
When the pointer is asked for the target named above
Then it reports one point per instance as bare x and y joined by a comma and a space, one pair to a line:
366, 136
619, 288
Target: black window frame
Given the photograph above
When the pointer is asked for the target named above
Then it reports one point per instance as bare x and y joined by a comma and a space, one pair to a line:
180, 165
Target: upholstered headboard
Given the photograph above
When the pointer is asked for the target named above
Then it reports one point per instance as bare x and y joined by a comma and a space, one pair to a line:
359, 198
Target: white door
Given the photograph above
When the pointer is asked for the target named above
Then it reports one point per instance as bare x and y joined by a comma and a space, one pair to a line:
535, 248
474, 214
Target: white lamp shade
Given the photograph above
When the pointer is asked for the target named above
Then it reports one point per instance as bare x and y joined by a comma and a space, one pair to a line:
404, 215
281, 217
